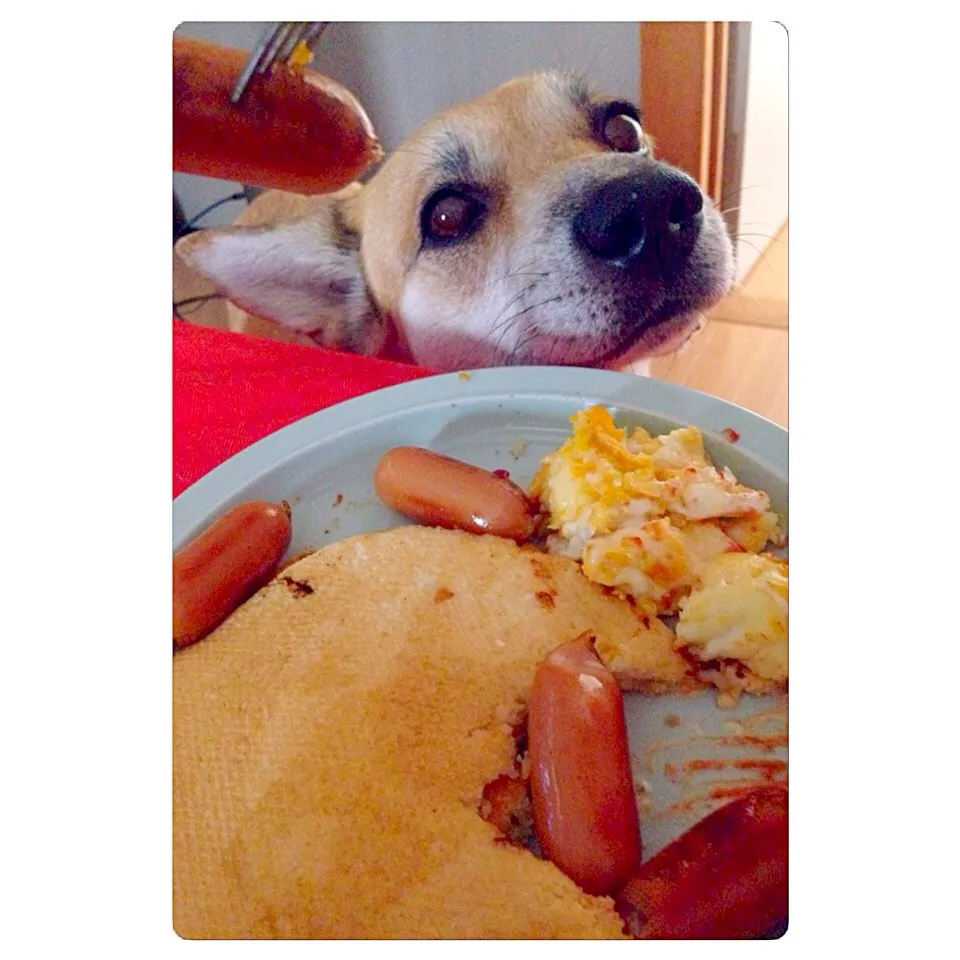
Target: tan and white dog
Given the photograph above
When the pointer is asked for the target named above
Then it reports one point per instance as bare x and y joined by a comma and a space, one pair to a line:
529, 226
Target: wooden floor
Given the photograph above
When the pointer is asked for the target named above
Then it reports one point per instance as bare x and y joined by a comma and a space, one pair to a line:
741, 354
744, 364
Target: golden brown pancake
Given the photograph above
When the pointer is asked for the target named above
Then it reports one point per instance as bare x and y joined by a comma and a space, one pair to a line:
332, 740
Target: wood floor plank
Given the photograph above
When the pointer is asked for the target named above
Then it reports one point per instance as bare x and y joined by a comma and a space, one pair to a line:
746, 365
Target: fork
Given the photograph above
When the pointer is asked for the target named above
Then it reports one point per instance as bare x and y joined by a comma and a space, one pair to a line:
279, 42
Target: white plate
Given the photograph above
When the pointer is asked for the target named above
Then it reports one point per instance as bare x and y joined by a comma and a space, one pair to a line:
509, 418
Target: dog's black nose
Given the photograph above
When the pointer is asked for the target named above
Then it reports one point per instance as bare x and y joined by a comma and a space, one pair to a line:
655, 215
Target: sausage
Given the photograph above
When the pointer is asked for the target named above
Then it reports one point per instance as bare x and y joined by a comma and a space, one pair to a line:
724, 879
584, 805
293, 129
442, 492
225, 565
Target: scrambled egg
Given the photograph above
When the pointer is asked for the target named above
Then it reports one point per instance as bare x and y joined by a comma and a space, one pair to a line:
301, 55
653, 518
739, 612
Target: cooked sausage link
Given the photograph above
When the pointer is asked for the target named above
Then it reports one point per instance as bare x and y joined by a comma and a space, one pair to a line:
439, 491
225, 565
584, 805
293, 130
724, 879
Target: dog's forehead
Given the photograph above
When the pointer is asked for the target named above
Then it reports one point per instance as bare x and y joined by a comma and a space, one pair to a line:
557, 97
527, 123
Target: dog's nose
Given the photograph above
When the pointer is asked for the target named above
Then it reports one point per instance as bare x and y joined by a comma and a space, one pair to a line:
655, 215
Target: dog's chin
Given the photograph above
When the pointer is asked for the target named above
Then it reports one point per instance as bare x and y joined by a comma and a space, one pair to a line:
656, 340
615, 352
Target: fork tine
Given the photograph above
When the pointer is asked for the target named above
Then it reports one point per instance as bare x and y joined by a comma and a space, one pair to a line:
278, 41
314, 32
255, 57
293, 38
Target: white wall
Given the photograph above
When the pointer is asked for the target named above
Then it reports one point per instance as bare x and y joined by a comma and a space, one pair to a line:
404, 72
763, 195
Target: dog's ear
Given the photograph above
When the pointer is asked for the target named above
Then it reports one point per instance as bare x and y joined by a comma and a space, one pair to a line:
304, 273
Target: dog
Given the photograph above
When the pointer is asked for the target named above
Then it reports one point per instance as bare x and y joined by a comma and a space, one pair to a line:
530, 226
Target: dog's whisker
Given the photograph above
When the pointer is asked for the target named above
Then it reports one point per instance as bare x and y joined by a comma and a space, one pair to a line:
533, 330
517, 358
746, 294
516, 350
760, 257
498, 344
675, 354
433, 152
673, 359
763, 236
510, 276
415, 153
749, 244
533, 306
497, 323
749, 186
509, 326
506, 325
430, 150
553, 352
468, 359
522, 271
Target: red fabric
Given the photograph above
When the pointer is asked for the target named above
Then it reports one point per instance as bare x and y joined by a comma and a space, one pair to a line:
230, 390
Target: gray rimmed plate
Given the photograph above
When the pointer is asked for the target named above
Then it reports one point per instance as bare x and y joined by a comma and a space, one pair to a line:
689, 756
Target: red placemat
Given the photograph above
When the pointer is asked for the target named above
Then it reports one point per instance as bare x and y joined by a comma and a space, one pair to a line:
230, 390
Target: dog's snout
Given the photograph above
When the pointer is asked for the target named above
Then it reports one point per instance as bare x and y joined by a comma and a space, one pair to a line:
654, 215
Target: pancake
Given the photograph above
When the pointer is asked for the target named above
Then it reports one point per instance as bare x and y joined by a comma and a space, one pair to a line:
333, 737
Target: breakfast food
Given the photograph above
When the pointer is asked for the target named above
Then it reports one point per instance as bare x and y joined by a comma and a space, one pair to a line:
652, 518
227, 563
420, 732
439, 491
584, 805
724, 879
736, 620
334, 737
293, 130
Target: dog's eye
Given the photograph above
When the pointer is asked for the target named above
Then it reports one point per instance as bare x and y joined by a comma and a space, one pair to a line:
450, 215
624, 134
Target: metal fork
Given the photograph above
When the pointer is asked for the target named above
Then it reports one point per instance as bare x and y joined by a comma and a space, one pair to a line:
278, 43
